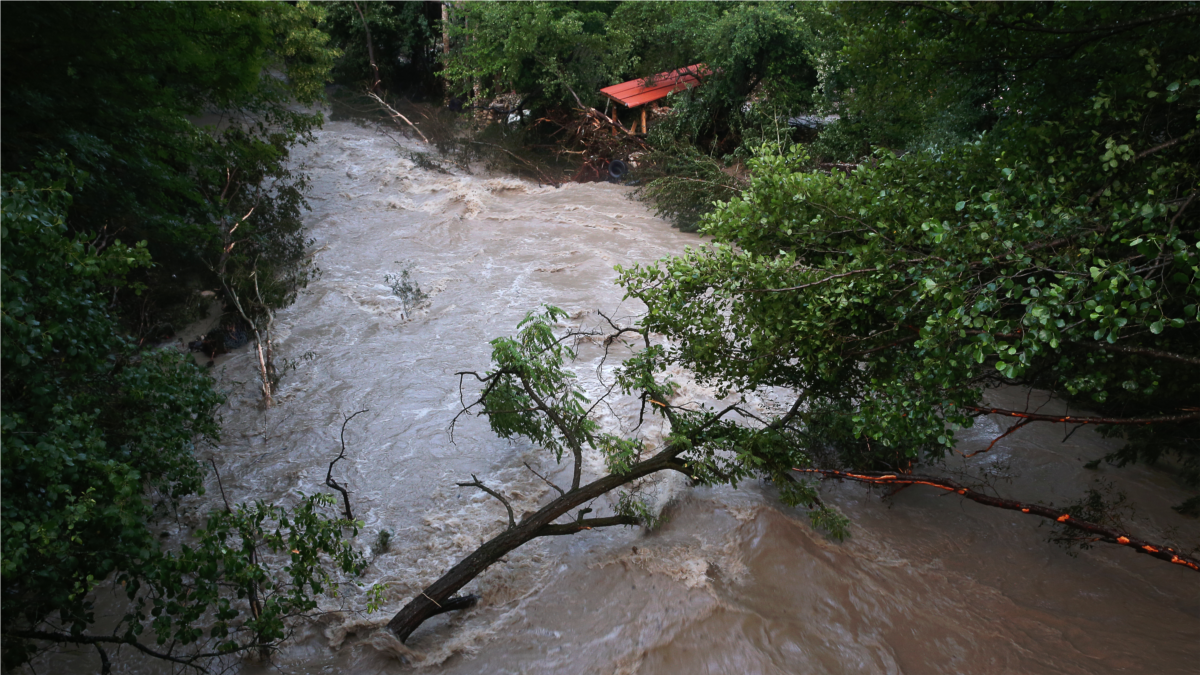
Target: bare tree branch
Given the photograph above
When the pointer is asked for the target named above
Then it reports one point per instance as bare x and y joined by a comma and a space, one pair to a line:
392, 111
456, 603
218, 473
997, 439
1141, 351
809, 285
329, 480
370, 48
585, 524
187, 662
596, 114
512, 521
105, 664
546, 480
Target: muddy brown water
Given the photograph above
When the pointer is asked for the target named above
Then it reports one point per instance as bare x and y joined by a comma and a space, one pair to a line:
732, 582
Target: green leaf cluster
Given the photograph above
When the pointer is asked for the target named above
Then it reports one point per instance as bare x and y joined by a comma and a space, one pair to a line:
90, 423
530, 392
271, 560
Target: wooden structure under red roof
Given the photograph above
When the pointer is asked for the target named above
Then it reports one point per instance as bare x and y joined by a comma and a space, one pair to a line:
641, 91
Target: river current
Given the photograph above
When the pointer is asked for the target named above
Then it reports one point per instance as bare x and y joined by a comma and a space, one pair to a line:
732, 582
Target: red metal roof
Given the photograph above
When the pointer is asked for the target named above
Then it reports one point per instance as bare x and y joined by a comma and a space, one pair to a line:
633, 93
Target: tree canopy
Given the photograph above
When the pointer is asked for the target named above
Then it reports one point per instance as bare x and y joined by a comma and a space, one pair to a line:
118, 209
1057, 249
121, 89
548, 50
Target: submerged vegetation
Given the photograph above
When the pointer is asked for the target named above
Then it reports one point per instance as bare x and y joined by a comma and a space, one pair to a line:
907, 205
405, 287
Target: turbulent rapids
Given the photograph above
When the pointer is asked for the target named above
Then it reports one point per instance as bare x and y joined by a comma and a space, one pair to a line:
732, 582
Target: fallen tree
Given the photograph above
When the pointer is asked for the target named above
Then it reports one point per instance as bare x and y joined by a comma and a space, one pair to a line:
529, 393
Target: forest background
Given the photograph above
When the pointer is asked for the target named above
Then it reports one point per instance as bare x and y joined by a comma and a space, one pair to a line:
1005, 198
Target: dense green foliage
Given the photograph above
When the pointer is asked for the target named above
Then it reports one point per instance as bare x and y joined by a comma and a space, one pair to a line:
406, 39
89, 422
252, 569
1058, 250
119, 87
547, 50
99, 442
100, 432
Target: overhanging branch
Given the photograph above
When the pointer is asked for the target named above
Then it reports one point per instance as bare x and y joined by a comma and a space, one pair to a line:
61, 638
512, 521
1141, 351
809, 285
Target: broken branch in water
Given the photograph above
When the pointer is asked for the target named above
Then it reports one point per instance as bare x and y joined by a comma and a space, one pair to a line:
586, 524
512, 522
599, 116
394, 113
546, 480
544, 178
540, 524
427, 603
1103, 533
329, 479
997, 439
456, 603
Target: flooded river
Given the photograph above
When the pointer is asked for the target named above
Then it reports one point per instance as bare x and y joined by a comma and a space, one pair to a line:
732, 582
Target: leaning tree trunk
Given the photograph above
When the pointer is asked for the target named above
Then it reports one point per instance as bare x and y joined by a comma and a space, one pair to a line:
445, 27
435, 599
263, 370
